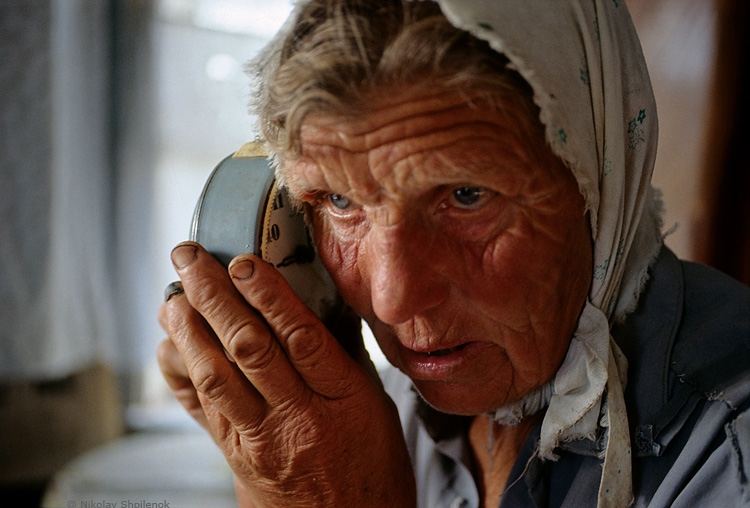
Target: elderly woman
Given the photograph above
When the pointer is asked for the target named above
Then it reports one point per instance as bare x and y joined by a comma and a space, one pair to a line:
477, 177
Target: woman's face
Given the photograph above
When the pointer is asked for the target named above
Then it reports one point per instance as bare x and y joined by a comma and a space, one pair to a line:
466, 250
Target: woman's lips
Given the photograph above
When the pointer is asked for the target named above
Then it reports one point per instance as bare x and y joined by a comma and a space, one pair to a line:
439, 364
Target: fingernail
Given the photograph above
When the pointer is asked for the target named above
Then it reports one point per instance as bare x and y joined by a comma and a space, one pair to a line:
242, 269
183, 255
173, 289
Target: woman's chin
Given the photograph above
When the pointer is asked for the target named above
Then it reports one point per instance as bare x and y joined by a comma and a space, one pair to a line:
458, 400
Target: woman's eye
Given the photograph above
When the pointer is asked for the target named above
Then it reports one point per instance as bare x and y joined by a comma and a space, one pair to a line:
470, 197
340, 202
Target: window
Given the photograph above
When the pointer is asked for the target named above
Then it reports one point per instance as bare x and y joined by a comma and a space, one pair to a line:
195, 111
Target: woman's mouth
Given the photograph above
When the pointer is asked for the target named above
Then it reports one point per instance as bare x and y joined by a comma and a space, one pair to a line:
445, 352
440, 364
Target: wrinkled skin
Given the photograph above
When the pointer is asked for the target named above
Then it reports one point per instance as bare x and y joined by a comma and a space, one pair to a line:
466, 250
499, 270
292, 412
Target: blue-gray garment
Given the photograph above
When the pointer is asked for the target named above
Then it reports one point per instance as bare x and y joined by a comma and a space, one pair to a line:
688, 400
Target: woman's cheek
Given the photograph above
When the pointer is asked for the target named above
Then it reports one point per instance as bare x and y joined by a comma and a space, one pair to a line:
340, 252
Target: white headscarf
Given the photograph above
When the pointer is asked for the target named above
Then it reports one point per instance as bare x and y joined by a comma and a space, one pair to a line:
584, 62
585, 65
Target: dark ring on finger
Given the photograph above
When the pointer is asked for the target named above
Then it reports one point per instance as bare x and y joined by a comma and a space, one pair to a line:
173, 289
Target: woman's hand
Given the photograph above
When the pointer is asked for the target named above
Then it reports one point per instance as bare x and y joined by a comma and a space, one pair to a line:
300, 422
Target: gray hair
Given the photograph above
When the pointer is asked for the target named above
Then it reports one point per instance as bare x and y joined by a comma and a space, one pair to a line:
339, 55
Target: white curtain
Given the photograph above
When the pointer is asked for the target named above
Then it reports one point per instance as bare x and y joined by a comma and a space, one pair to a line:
57, 314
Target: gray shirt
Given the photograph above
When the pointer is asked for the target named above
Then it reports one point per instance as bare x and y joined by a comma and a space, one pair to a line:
688, 395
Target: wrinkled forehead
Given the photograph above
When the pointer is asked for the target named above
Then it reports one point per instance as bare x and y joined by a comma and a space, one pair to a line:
447, 123
413, 112
415, 139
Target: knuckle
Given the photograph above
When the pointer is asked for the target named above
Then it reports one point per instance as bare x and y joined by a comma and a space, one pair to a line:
241, 333
254, 355
209, 378
303, 345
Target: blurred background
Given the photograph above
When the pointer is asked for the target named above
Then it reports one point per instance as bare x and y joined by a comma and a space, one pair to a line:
112, 115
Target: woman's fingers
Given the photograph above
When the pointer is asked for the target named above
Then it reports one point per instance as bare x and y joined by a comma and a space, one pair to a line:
213, 375
291, 401
176, 374
243, 332
322, 363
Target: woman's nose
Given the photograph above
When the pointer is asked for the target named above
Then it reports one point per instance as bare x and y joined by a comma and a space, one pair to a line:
404, 270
